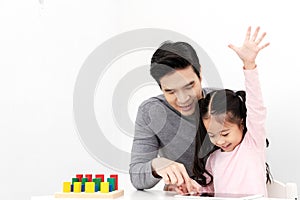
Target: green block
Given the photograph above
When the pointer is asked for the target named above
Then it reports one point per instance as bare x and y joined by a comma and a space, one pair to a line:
112, 182
97, 182
75, 180
83, 180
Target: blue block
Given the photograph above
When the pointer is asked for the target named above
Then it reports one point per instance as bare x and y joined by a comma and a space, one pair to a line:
97, 189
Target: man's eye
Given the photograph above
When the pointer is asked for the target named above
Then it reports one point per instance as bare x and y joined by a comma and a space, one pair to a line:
169, 91
211, 135
189, 87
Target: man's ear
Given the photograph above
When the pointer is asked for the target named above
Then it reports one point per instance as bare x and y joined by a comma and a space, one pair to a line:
200, 75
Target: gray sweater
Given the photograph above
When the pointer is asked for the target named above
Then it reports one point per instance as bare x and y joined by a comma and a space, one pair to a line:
161, 130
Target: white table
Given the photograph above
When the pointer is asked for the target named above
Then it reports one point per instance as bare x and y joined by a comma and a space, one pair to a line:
135, 195
128, 195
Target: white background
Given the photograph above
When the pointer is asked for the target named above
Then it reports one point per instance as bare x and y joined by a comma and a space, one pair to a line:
43, 44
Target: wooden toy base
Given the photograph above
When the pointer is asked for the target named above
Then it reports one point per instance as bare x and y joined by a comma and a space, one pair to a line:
110, 195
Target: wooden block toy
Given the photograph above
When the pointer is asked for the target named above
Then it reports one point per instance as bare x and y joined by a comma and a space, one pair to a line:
104, 187
116, 180
83, 180
97, 184
111, 182
77, 187
89, 187
67, 187
75, 180
79, 176
100, 176
89, 177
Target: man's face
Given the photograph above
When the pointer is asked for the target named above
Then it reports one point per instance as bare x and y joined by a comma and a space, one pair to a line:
182, 89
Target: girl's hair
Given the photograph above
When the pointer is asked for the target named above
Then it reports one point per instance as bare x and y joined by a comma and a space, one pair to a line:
217, 103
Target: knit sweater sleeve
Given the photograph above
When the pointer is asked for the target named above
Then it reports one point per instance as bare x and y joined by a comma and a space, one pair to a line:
144, 150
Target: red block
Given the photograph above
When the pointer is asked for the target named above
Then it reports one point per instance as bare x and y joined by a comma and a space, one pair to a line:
116, 180
89, 177
100, 176
79, 176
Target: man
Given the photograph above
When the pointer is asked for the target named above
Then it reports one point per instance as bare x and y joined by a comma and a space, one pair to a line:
167, 124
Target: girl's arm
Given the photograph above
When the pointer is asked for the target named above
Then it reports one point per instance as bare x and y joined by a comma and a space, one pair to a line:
254, 102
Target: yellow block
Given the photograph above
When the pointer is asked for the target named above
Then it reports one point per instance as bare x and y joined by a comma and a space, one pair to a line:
77, 187
104, 187
67, 187
89, 187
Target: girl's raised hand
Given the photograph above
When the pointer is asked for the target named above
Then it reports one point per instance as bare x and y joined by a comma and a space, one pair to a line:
250, 48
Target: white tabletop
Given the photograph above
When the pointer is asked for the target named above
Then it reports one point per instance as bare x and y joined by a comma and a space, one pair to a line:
132, 195
135, 195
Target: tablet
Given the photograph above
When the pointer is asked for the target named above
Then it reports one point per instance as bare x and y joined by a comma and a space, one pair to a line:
219, 196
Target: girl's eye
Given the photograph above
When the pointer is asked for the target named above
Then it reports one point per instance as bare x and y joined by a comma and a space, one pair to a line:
225, 134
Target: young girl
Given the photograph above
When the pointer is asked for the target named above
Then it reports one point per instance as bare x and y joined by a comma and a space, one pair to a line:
231, 142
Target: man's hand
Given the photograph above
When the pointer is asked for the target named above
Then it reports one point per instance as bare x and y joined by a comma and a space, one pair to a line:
250, 48
174, 173
182, 189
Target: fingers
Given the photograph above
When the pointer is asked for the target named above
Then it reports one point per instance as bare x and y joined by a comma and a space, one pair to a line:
173, 173
248, 33
166, 178
179, 177
261, 38
196, 186
175, 177
254, 36
170, 171
195, 189
263, 46
177, 174
234, 48
181, 190
187, 180
189, 185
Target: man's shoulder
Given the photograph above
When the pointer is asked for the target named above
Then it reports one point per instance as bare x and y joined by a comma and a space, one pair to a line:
160, 99
156, 104
154, 108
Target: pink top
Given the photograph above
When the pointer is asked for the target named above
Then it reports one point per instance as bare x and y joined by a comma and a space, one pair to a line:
243, 170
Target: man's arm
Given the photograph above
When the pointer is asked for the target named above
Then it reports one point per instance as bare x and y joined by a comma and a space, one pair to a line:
146, 169
144, 149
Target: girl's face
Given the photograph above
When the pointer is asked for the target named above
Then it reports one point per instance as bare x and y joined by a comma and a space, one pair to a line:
225, 135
